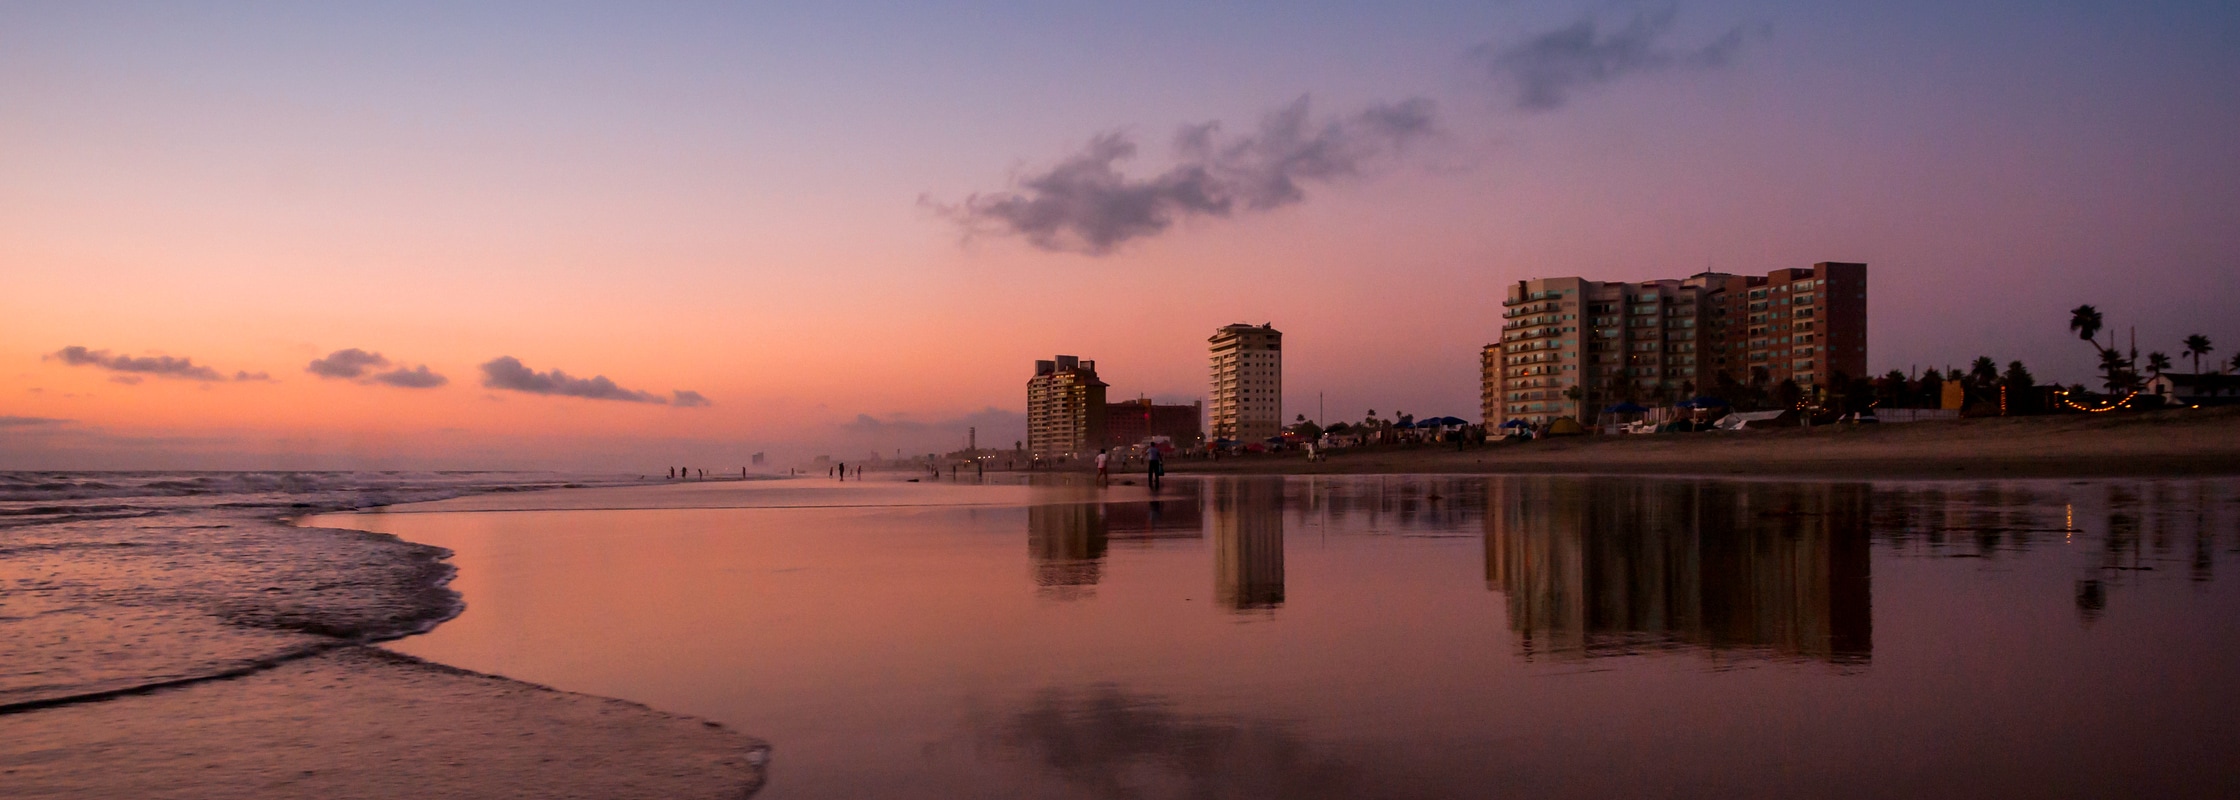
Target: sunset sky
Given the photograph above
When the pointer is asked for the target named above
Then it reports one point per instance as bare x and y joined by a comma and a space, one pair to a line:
854, 226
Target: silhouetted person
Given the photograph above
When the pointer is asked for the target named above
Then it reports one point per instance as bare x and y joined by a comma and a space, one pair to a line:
1154, 466
843, 470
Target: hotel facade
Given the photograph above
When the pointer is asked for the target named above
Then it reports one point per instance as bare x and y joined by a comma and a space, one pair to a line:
1247, 366
1572, 345
1065, 408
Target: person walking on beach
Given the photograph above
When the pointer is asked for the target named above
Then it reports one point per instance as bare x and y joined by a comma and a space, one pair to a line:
1154, 466
1102, 476
843, 470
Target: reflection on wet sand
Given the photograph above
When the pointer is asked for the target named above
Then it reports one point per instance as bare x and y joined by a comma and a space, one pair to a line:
1066, 544
1595, 567
1247, 543
1107, 742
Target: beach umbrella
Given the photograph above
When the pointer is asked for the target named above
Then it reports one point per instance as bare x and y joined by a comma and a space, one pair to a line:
1516, 423
1705, 401
1405, 424
1624, 408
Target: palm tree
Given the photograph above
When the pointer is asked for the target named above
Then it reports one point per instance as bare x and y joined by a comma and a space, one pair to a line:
2197, 346
2158, 363
2018, 377
2085, 320
1984, 372
2116, 371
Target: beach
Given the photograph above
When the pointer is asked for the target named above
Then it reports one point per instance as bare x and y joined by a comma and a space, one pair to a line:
173, 635
2157, 444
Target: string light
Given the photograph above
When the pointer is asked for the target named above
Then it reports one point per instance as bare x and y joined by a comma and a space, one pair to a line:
2126, 401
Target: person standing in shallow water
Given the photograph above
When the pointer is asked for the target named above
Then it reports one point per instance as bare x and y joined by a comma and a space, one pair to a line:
1102, 476
1154, 466
843, 470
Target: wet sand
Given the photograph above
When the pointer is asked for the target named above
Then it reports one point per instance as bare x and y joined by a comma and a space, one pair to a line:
359, 722
2160, 444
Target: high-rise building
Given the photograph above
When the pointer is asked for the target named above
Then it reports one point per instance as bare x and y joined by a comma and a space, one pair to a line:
1247, 363
1571, 345
1065, 408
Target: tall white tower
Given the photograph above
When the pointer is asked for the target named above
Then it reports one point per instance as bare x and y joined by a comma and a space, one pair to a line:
1247, 362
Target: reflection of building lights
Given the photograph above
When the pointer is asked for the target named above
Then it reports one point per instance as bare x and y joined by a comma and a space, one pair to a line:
2068, 522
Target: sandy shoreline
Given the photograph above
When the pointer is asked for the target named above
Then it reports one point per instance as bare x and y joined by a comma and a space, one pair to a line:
2161, 444
172, 641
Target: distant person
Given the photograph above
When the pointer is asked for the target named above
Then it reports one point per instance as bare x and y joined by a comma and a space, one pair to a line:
1102, 476
843, 470
1154, 467
672, 473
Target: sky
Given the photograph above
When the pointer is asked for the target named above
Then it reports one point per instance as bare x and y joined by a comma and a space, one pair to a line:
617, 237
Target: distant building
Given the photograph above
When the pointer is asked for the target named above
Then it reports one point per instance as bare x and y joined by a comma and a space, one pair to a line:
1247, 366
1131, 421
2204, 389
759, 459
1065, 408
1570, 346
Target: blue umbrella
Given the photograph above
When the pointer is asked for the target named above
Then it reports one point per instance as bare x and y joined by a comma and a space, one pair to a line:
1624, 408
1453, 422
1706, 401
1516, 423
1405, 424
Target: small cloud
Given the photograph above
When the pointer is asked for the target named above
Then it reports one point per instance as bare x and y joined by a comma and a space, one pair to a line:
128, 380
416, 378
355, 364
507, 372
349, 363
31, 422
1547, 70
688, 399
159, 366
245, 375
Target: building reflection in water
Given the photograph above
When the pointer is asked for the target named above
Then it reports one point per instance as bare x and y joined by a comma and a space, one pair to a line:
1247, 520
1066, 543
1594, 567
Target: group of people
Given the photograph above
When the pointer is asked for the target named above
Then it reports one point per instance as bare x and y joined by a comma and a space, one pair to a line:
1154, 466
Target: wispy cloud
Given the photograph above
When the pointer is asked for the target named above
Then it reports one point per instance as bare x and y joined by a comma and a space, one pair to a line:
508, 373
1085, 204
157, 366
31, 422
358, 365
1544, 72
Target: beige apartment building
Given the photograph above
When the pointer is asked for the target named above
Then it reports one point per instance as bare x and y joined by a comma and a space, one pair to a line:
1247, 365
1570, 346
1065, 408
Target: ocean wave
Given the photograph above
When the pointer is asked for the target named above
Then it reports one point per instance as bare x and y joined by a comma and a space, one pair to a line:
142, 579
